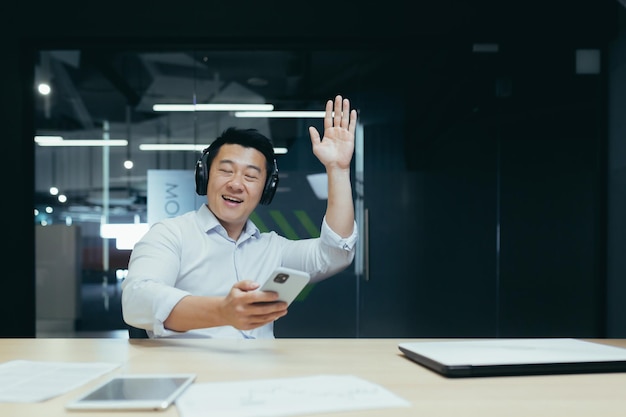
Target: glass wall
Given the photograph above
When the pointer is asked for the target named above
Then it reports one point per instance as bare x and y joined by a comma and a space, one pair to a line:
109, 120
480, 185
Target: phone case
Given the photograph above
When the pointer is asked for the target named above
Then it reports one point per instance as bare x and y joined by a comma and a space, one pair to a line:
287, 283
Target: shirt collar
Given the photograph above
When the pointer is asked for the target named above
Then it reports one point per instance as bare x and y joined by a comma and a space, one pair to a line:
209, 222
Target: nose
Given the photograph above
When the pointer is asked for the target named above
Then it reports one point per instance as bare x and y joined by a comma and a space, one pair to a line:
236, 183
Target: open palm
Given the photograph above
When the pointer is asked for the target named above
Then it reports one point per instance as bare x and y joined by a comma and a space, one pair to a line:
336, 148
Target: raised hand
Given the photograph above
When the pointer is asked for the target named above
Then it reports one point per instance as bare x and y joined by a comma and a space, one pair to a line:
336, 147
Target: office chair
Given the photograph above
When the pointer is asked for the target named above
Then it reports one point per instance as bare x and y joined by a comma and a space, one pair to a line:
136, 333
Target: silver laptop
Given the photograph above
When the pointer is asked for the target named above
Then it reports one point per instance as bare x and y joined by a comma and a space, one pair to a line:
515, 356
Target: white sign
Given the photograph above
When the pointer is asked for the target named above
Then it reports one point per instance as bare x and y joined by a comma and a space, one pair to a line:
171, 192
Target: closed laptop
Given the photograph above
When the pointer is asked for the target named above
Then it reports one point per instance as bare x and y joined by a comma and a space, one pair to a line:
515, 356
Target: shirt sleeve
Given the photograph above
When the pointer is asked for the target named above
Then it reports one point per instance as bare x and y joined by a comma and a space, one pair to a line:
147, 296
321, 257
330, 238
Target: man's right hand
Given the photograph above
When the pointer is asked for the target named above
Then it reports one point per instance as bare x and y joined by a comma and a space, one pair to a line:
245, 308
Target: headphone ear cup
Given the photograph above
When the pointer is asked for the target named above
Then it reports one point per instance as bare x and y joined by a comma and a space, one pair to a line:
270, 186
202, 174
270, 189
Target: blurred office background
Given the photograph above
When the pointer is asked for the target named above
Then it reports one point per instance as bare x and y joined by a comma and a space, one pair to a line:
489, 172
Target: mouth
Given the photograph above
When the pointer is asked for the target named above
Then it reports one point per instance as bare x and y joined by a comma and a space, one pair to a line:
231, 199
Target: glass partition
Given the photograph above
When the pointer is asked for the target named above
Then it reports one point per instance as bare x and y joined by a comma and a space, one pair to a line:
478, 178
109, 120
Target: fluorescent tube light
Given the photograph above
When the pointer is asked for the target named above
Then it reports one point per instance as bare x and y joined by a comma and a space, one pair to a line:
187, 147
171, 147
213, 107
59, 141
282, 114
48, 139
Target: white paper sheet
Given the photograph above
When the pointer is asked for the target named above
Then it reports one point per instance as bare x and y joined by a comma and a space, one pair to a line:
33, 381
285, 397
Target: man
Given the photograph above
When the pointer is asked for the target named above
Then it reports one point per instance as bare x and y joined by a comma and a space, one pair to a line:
195, 275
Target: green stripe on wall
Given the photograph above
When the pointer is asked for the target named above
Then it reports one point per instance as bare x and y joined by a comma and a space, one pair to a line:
284, 226
307, 223
256, 219
305, 292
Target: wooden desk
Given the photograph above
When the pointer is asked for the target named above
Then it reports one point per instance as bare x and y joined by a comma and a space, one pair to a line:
376, 360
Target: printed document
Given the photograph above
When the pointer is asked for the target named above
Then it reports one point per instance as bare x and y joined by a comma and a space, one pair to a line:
33, 381
284, 397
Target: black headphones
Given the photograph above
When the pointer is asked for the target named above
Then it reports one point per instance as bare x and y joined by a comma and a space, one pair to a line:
202, 178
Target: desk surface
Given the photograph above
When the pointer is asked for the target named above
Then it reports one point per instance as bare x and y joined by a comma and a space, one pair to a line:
376, 360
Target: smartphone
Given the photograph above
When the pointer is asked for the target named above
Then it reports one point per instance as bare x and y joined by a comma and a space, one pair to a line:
287, 283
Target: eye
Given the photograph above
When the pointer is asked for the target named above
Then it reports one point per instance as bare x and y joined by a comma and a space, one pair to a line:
252, 177
225, 171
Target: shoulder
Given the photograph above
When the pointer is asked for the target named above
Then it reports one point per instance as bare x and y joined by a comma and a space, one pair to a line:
174, 223
180, 219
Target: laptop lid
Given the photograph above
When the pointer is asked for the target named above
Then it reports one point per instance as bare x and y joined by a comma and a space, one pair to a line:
528, 356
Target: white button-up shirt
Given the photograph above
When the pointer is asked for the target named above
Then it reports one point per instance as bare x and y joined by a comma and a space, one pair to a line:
193, 255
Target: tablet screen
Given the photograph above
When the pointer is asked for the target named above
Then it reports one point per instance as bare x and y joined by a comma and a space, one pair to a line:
147, 392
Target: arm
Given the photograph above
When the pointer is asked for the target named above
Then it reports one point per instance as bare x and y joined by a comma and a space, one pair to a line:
239, 309
151, 298
334, 150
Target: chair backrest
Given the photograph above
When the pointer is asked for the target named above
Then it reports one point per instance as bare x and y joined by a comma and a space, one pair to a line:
137, 333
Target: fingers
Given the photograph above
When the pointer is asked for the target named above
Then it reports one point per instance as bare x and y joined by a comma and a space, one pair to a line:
352, 125
259, 314
328, 117
246, 285
345, 114
247, 309
338, 111
338, 114
314, 134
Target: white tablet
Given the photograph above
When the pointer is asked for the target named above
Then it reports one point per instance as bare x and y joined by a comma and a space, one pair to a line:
134, 392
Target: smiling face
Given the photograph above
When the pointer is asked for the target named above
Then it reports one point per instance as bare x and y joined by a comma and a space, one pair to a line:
236, 182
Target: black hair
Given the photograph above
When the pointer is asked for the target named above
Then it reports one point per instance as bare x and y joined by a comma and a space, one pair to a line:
248, 138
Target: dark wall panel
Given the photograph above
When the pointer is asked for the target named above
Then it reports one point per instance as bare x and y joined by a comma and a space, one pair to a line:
459, 281
551, 227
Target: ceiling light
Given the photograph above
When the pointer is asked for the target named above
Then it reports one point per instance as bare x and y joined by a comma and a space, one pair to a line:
59, 141
282, 114
187, 147
171, 147
213, 107
50, 139
44, 89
